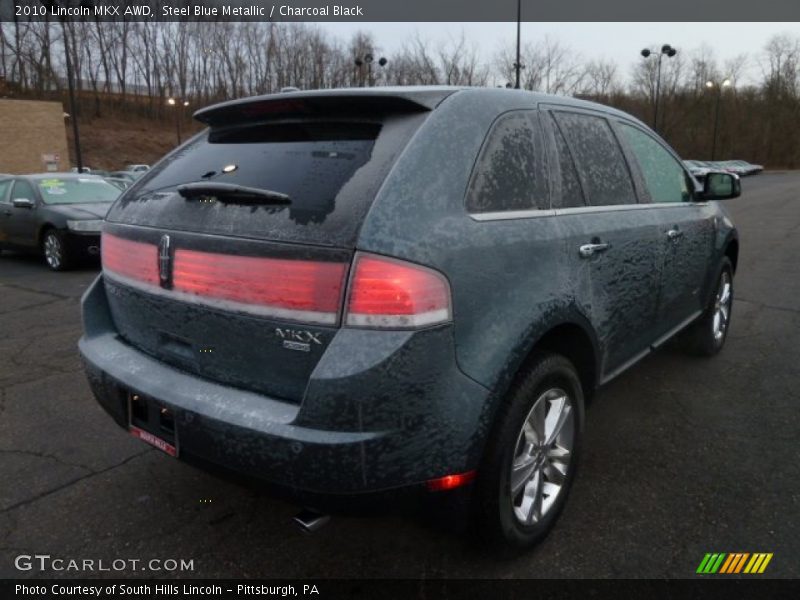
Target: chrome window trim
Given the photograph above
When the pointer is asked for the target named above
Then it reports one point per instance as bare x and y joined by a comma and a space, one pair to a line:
554, 212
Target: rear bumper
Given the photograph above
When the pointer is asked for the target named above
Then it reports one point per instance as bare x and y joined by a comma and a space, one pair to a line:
361, 428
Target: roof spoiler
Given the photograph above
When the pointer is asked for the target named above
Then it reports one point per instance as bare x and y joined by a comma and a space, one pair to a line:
332, 103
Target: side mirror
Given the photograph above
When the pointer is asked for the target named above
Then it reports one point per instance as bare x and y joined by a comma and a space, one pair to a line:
721, 186
22, 203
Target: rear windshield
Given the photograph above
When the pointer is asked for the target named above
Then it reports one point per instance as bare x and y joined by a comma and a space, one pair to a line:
76, 191
331, 171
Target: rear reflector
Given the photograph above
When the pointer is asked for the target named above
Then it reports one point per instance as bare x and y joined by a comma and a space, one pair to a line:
449, 482
301, 290
389, 293
133, 260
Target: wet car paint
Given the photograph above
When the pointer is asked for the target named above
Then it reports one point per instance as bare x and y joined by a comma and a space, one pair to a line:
424, 401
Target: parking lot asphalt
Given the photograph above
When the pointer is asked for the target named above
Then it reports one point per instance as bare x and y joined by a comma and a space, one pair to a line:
682, 456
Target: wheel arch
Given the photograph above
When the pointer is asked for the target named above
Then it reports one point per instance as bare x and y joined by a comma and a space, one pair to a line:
732, 251
43, 228
571, 336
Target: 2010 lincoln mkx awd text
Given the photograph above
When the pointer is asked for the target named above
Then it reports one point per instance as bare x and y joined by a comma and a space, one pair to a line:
354, 292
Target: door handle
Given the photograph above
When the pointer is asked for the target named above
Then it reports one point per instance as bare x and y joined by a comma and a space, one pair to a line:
588, 250
674, 234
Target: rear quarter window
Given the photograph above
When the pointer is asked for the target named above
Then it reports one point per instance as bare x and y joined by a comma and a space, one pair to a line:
510, 173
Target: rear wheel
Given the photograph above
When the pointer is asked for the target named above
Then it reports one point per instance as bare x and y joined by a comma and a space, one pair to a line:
55, 252
707, 335
532, 455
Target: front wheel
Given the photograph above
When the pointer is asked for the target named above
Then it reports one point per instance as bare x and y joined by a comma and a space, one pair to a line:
708, 334
55, 252
532, 455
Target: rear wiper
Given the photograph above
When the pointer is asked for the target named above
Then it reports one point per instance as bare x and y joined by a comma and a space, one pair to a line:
228, 192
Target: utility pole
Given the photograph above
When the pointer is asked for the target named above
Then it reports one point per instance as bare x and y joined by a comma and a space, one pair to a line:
518, 65
73, 110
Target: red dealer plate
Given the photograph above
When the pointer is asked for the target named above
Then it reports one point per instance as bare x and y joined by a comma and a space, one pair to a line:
154, 440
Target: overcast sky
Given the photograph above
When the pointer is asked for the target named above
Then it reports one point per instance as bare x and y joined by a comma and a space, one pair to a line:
620, 42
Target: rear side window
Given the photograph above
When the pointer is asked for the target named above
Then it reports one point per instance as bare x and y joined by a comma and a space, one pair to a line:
601, 165
510, 172
331, 171
663, 174
571, 193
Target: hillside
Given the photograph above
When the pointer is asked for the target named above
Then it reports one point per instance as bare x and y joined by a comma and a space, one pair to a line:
113, 141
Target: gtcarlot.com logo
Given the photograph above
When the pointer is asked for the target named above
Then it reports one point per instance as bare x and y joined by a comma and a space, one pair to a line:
46, 562
731, 563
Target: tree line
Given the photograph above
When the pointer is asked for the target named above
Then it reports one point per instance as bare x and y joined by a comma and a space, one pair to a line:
133, 67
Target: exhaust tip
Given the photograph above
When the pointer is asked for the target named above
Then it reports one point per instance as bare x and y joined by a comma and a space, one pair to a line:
310, 521
94, 250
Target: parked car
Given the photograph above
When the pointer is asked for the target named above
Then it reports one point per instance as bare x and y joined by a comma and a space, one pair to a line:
57, 214
698, 169
399, 291
137, 170
123, 175
123, 183
748, 168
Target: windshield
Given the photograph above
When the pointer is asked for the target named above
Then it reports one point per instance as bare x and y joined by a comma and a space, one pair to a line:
79, 190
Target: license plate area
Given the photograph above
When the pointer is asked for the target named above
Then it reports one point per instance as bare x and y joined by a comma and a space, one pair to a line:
152, 422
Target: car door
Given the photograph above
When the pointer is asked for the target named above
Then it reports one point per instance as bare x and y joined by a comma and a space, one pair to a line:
21, 223
686, 227
614, 246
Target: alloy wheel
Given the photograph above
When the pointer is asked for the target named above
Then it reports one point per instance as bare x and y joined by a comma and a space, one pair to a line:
53, 252
542, 456
722, 307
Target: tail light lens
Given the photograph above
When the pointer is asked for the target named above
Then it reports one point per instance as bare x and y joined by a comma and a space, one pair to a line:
383, 292
132, 260
308, 291
389, 293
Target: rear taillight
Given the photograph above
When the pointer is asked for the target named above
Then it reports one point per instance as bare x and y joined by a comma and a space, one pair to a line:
132, 260
389, 293
299, 290
383, 292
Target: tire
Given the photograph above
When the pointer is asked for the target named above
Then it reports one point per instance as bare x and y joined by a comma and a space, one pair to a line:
707, 335
522, 441
55, 250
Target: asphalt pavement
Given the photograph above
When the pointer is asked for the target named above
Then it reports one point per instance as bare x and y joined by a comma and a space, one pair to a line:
682, 456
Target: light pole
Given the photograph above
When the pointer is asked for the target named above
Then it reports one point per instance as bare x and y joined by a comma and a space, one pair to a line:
178, 104
367, 59
666, 50
719, 87
72, 108
518, 64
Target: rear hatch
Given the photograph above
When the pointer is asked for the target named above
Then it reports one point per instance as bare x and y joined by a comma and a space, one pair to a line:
230, 257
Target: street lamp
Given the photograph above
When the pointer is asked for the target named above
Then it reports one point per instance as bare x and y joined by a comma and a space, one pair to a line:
719, 87
178, 103
517, 64
666, 50
367, 59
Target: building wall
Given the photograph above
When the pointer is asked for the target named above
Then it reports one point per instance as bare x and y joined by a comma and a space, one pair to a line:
32, 133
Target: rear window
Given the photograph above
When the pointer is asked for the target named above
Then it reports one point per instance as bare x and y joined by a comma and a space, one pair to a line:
331, 170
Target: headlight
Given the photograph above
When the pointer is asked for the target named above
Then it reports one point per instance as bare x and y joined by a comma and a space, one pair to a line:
94, 226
